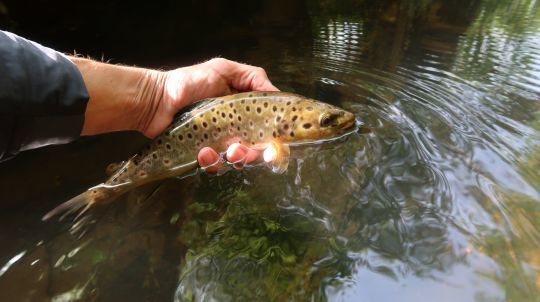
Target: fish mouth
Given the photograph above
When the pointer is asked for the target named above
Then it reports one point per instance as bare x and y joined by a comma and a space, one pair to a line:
348, 122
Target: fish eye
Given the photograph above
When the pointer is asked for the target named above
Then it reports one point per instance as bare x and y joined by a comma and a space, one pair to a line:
328, 119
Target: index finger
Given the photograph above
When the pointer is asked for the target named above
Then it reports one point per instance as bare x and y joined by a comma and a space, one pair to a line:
245, 77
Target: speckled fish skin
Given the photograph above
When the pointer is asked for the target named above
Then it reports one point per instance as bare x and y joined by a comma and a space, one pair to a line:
254, 119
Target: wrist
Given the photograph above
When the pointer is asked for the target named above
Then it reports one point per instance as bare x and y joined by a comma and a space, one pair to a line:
121, 98
149, 105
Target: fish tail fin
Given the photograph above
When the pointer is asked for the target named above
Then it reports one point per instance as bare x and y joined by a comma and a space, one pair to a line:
82, 202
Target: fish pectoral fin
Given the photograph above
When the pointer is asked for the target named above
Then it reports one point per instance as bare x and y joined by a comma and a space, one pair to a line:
276, 155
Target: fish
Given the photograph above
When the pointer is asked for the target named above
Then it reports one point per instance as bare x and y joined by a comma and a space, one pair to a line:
266, 121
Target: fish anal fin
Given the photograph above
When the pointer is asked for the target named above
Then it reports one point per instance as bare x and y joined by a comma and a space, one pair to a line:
113, 168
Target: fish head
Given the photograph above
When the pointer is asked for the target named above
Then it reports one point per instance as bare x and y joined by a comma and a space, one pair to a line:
313, 120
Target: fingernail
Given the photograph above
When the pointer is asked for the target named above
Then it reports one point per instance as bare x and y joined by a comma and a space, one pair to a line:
208, 160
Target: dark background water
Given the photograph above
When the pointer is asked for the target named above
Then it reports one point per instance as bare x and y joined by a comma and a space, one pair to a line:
439, 201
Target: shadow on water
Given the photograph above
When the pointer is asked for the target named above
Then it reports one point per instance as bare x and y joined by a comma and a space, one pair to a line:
439, 200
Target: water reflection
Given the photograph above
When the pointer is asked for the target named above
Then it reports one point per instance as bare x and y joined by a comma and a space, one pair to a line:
440, 197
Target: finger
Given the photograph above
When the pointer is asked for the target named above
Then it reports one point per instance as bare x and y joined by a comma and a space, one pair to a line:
255, 78
245, 77
209, 160
240, 155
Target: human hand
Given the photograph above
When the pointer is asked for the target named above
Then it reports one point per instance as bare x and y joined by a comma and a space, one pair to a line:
128, 98
216, 77
183, 86
237, 154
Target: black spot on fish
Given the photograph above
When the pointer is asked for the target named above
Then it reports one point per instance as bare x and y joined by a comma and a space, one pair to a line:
265, 104
293, 108
306, 125
239, 118
253, 143
254, 101
159, 141
168, 146
282, 109
247, 108
213, 109
166, 161
181, 137
195, 127
294, 117
223, 114
291, 134
222, 102
250, 95
230, 115
286, 126
259, 110
202, 140
205, 136
244, 134
278, 118
251, 123
242, 101
234, 111
214, 119
189, 136
274, 134
154, 156
265, 94
232, 124
238, 128
288, 103
205, 124
231, 105
260, 134
218, 129
274, 108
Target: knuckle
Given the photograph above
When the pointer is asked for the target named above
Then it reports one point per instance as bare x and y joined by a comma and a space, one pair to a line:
260, 71
218, 60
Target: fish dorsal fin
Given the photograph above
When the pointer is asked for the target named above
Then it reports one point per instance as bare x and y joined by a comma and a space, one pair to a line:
188, 111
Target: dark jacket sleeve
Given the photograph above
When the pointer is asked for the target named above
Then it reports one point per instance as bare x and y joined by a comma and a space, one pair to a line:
42, 96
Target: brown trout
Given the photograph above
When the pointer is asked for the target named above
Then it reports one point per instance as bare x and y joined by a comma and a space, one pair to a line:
258, 120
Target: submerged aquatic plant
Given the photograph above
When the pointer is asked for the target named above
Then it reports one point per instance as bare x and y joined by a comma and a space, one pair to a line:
255, 250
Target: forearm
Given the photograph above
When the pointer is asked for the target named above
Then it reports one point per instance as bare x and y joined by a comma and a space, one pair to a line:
121, 97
